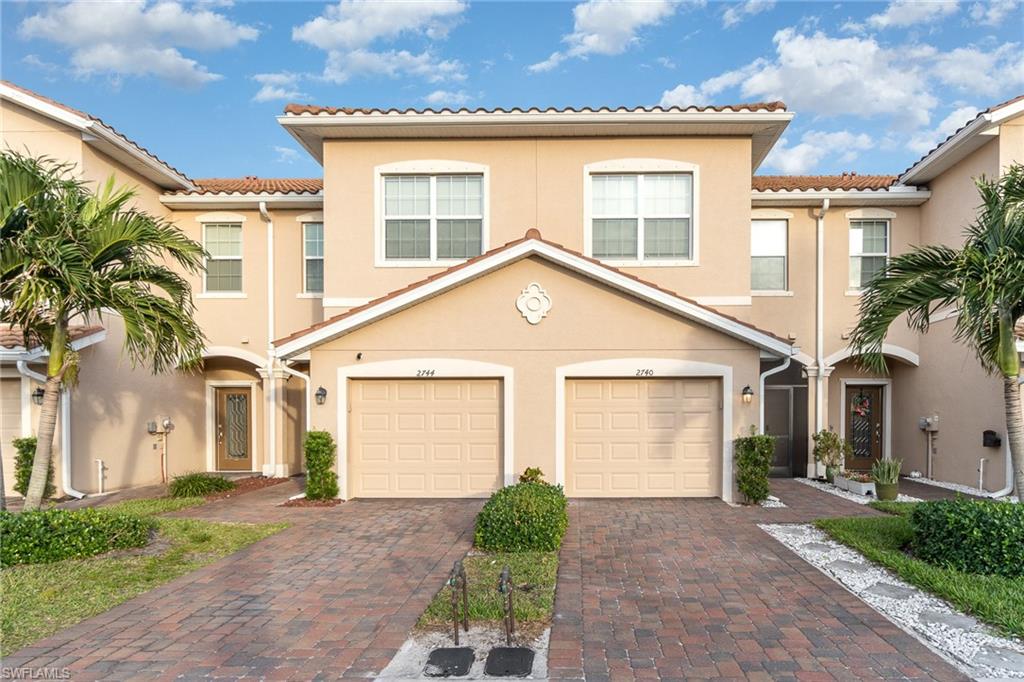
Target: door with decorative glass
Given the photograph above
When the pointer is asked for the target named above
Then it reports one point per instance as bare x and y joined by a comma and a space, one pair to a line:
233, 428
864, 425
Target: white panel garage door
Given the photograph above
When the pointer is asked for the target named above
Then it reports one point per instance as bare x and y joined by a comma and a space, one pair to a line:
10, 426
643, 437
425, 437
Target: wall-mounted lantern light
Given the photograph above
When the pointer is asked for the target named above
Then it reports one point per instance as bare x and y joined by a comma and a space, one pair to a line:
748, 395
37, 396
321, 395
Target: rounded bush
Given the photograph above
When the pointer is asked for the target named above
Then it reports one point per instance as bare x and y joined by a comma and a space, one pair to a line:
973, 536
197, 484
526, 517
321, 481
42, 537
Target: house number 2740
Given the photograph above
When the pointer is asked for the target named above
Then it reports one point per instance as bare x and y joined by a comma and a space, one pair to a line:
645, 372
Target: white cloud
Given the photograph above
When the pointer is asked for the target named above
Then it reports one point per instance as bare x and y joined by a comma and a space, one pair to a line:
902, 13
448, 98
983, 73
607, 27
814, 147
735, 14
666, 62
286, 154
924, 141
348, 30
137, 38
994, 12
277, 86
684, 95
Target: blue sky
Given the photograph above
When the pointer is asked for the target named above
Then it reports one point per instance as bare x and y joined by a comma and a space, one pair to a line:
874, 84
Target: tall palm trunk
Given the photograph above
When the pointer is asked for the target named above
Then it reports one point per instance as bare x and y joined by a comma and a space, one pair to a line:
3, 482
1015, 431
47, 419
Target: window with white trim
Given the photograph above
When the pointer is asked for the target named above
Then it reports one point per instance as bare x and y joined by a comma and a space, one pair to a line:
642, 216
869, 250
313, 257
433, 217
223, 243
768, 255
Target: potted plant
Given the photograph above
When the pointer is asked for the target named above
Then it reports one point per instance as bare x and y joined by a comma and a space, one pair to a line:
860, 483
886, 474
832, 451
840, 480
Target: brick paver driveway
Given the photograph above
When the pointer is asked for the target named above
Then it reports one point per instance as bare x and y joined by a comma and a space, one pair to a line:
334, 595
691, 589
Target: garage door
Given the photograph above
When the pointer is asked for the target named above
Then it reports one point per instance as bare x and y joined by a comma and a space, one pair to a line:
10, 426
643, 437
425, 438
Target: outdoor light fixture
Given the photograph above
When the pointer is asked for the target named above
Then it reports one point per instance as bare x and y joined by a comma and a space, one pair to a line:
748, 395
321, 395
37, 396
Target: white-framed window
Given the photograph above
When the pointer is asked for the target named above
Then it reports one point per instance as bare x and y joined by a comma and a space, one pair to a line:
769, 246
431, 218
869, 250
641, 216
223, 243
313, 258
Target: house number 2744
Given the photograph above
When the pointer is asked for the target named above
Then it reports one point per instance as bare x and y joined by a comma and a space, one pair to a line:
425, 372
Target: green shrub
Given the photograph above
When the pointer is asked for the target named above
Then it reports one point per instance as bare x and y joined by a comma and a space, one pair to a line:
526, 517
321, 481
197, 484
25, 455
886, 471
42, 537
754, 455
532, 475
973, 536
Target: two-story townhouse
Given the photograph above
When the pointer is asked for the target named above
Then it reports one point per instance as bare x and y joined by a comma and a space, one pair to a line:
610, 295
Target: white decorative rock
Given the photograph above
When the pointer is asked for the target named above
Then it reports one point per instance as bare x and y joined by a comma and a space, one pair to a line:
534, 303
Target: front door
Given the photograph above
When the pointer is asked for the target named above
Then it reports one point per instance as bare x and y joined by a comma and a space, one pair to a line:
233, 429
778, 422
864, 425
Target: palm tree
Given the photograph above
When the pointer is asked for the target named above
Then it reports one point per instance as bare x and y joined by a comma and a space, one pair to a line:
70, 254
983, 281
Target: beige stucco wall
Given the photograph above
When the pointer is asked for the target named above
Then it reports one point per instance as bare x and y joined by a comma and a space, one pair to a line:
539, 183
29, 133
587, 322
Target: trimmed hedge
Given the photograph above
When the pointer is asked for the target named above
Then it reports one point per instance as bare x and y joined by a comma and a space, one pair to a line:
321, 481
526, 517
973, 536
197, 484
42, 537
754, 455
25, 455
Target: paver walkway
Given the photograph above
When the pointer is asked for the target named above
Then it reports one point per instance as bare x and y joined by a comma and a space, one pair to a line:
693, 589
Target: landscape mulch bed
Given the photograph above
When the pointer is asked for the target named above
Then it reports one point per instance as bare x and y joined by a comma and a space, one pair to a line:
303, 502
246, 485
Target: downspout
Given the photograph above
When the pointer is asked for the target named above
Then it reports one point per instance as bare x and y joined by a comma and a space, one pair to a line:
65, 431
271, 415
764, 375
1008, 490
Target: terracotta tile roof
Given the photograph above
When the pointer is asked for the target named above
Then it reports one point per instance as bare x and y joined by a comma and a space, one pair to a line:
250, 184
300, 109
98, 120
12, 337
846, 181
532, 233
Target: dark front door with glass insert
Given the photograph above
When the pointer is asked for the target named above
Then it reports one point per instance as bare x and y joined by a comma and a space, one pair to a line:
778, 422
864, 425
233, 430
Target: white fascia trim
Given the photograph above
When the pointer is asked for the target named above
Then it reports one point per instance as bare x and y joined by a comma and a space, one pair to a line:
89, 126
211, 418
568, 260
950, 146
662, 367
886, 385
892, 350
276, 201
30, 355
442, 368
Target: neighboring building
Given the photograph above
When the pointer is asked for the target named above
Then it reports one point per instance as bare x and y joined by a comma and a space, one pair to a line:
592, 292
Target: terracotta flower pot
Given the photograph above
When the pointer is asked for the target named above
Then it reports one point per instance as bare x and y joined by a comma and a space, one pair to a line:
887, 491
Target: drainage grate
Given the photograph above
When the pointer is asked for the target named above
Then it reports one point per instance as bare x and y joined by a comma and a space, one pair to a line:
509, 661
449, 662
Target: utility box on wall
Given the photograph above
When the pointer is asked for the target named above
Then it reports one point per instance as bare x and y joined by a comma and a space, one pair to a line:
990, 439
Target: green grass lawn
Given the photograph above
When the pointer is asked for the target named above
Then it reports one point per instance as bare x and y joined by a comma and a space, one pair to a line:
534, 574
993, 599
41, 599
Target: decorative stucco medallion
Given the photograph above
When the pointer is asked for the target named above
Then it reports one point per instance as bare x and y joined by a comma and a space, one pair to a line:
534, 303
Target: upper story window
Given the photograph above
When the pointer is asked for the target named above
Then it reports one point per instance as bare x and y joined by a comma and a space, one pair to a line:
313, 257
223, 243
433, 217
642, 216
869, 250
768, 255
